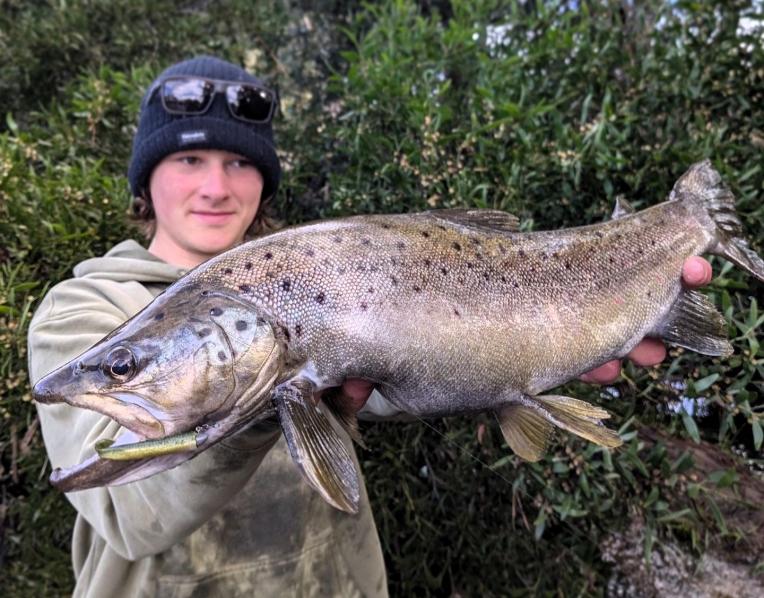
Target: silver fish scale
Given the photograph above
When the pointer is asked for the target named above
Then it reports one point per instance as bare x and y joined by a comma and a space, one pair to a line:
375, 295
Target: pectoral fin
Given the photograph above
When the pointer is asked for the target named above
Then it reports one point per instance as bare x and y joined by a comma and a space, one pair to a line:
527, 424
346, 417
694, 323
316, 447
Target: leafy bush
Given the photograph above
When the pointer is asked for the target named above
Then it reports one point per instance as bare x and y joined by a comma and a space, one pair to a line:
533, 108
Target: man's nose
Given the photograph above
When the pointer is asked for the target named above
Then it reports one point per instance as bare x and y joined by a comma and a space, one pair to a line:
215, 184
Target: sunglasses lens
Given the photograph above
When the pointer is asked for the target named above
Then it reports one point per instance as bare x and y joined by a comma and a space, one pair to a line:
187, 96
249, 103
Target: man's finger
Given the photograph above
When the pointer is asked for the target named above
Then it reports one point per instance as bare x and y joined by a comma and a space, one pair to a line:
696, 272
651, 351
605, 374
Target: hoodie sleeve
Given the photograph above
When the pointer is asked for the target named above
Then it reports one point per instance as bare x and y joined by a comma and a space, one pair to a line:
145, 517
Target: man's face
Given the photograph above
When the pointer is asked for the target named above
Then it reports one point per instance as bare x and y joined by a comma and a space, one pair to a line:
204, 201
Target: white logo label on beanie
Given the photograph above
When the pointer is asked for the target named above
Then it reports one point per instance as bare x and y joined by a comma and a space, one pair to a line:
192, 137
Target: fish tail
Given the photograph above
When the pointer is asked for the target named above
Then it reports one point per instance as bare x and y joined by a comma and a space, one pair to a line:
703, 185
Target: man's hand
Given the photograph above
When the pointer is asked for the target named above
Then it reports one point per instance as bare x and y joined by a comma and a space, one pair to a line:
696, 272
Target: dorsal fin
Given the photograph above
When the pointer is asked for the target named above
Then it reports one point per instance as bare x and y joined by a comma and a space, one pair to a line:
483, 220
622, 208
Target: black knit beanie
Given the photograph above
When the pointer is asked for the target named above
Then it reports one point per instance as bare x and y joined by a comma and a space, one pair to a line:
161, 134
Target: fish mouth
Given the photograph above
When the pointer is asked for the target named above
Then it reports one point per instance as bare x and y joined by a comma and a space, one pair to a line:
114, 469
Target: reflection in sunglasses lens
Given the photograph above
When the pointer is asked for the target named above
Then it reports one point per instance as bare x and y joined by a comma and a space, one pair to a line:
187, 95
249, 103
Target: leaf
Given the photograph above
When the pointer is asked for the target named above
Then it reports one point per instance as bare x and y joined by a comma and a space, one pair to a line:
758, 434
691, 427
704, 383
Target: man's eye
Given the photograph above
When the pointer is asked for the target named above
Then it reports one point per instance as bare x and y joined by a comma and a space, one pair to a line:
190, 160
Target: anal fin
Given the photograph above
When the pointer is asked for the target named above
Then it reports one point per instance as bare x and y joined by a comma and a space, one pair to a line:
694, 323
315, 446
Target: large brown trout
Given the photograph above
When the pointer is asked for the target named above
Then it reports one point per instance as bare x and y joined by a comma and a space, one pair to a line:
446, 312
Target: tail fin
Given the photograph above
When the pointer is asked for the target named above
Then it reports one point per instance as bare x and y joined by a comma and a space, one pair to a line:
703, 184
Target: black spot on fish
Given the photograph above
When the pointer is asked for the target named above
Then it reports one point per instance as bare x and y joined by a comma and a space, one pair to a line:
286, 284
337, 239
394, 280
364, 305
341, 270
486, 275
456, 246
479, 256
521, 253
245, 288
567, 265
652, 243
543, 256
427, 263
373, 268
611, 260
268, 255
470, 265
270, 274
502, 249
503, 278
417, 289
425, 234
221, 355
260, 321
298, 329
216, 311
385, 226
248, 265
393, 261
555, 255
640, 251
475, 242
516, 284
649, 293
159, 316
443, 271
360, 268
204, 332
441, 227
228, 271
598, 234
460, 280
320, 298
365, 242
241, 325
370, 290
400, 245
310, 252
457, 313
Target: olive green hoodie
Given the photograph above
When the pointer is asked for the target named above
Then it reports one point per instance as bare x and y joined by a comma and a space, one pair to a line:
238, 520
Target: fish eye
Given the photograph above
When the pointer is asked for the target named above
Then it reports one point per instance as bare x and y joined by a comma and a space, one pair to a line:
119, 364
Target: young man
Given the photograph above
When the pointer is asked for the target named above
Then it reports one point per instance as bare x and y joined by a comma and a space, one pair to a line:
238, 519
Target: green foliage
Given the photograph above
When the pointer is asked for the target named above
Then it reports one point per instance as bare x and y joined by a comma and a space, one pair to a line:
391, 107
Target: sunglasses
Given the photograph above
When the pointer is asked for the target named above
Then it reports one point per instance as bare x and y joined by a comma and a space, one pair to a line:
194, 95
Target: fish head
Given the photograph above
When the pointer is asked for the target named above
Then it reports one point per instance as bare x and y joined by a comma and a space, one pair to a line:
191, 360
